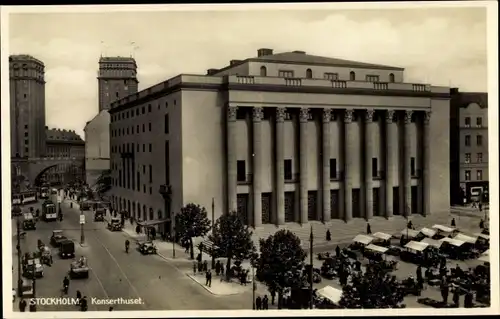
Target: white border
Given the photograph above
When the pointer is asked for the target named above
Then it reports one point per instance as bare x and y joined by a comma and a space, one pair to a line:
492, 22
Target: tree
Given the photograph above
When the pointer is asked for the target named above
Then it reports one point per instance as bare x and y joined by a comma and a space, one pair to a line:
232, 238
192, 222
281, 262
103, 183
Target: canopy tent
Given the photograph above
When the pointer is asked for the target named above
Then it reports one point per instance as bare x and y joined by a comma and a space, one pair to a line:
415, 245
383, 236
153, 222
377, 248
330, 293
483, 236
484, 258
486, 253
452, 241
432, 242
410, 233
444, 229
428, 232
363, 239
465, 238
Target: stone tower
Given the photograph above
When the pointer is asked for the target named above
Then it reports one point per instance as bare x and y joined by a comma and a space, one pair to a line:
117, 78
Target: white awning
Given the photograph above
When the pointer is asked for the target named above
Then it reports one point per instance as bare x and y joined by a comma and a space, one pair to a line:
363, 239
428, 232
377, 248
330, 293
443, 228
452, 241
465, 238
484, 258
409, 232
480, 235
415, 245
382, 236
486, 253
432, 242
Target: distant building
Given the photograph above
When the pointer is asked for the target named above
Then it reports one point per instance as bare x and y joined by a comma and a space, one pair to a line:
27, 106
117, 78
280, 138
65, 144
468, 146
96, 147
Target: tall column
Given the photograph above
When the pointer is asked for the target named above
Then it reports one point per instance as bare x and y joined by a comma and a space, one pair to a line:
304, 117
369, 131
280, 166
427, 163
390, 163
349, 142
327, 114
232, 204
407, 164
257, 166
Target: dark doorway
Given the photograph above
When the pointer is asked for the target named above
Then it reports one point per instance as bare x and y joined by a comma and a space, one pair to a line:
242, 200
395, 201
376, 202
356, 203
414, 200
289, 206
266, 208
334, 204
312, 208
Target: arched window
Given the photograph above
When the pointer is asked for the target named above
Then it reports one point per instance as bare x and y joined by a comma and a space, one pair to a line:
352, 76
309, 74
263, 71
391, 77
151, 214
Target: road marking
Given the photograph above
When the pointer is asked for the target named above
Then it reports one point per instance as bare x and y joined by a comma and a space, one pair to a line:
100, 282
121, 270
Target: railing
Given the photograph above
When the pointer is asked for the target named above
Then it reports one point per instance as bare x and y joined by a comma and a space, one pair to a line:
419, 87
245, 79
380, 86
293, 82
244, 180
338, 84
292, 178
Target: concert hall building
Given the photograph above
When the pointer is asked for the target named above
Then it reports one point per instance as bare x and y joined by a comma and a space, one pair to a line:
286, 137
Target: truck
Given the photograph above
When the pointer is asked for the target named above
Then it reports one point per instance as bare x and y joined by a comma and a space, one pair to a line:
49, 212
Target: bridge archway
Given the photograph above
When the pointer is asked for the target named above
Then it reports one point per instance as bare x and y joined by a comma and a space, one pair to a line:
38, 178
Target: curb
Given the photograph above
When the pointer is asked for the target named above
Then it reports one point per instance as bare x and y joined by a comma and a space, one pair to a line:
208, 288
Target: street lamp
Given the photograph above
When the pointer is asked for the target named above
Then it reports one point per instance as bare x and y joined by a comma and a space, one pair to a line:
17, 211
213, 224
166, 193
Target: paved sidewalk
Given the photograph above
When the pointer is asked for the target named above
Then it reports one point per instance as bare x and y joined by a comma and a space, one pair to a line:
219, 287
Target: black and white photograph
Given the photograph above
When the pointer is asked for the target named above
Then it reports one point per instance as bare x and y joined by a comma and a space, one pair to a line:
175, 160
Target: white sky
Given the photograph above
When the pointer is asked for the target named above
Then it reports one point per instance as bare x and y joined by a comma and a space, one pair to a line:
439, 46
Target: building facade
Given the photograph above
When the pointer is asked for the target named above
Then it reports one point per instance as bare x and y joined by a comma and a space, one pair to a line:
65, 144
96, 147
117, 78
468, 146
27, 106
281, 138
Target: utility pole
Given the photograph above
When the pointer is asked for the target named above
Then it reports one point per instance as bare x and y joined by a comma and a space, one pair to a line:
17, 211
311, 242
33, 307
254, 287
82, 222
213, 224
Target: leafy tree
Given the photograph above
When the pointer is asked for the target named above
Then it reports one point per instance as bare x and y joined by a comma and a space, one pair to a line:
281, 262
233, 239
192, 222
103, 183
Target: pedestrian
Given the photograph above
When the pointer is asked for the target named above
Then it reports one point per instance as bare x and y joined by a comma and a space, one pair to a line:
258, 303
217, 268
83, 304
409, 225
480, 207
206, 278
328, 235
138, 229
453, 223
265, 303
469, 300
32, 307
222, 270
273, 296
22, 305
481, 224
13, 291
456, 297
445, 289
245, 277
194, 267
153, 233
78, 296
200, 266
368, 228
337, 251
209, 273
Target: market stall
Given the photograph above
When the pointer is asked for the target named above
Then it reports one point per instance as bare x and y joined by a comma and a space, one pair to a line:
452, 248
329, 297
414, 252
382, 239
428, 232
443, 231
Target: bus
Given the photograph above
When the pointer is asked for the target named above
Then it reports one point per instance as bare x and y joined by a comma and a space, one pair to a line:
44, 192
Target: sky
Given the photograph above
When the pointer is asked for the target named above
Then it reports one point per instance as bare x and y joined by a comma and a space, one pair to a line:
441, 46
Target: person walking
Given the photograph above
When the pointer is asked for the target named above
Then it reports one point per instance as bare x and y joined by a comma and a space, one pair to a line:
22, 305
265, 303
445, 290
273, 296
194, 267
453, 223
258, 303
328, 235
368, 228
209, 278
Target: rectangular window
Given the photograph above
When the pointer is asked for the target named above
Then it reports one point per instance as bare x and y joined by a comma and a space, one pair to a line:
150, 190
150, 147
150, 127
479, 140
167, 121
372, 78
412, 166
285, 74
241, 171
143, 128
150, 173
120, 178
144, 188
467, 121
479, 174
143, 148
138, 181
479, 157
374, 167
333, 168
467, 158
167, 163
117, 95
149, 107
467, 175
479, 122
144, 169
467, 140
331, 76
288, 169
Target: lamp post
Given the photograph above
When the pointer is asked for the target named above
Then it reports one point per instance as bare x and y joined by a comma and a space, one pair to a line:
166, 193
311, 243
33, 307
213, 224
82, 233
17, 211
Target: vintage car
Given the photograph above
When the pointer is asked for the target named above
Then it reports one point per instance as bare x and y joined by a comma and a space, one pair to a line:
57, 238
99, 215
147, 248
115, 224
79, 269
29, 222
67, 249
27, 288
45, 255
32, 266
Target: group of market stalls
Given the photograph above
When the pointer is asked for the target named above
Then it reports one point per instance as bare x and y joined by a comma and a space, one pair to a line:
440, 238
374, 247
